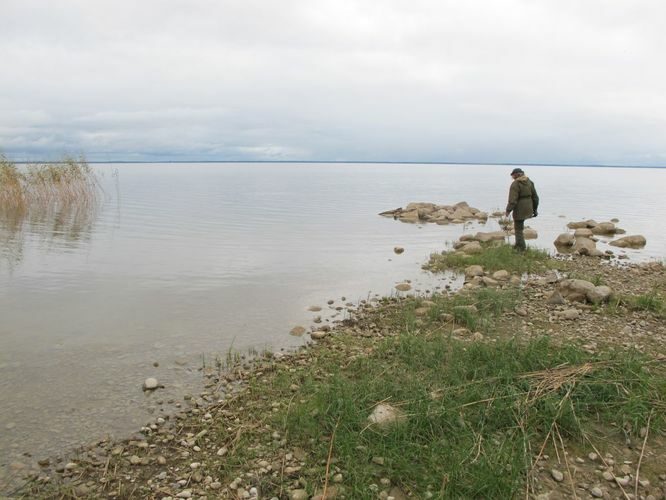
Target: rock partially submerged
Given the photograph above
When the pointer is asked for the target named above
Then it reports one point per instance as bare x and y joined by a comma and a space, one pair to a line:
439, 214
635, 241
584, 239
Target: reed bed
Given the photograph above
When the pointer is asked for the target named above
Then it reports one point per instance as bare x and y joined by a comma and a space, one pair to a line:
67, 182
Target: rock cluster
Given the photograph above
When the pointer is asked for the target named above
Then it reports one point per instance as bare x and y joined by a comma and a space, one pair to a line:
476, 277
584, 239
439, 214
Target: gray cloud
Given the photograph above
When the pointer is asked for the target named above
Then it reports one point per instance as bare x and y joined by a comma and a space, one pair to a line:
504, 81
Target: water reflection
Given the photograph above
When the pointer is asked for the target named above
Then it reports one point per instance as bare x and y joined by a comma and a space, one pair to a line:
53, 225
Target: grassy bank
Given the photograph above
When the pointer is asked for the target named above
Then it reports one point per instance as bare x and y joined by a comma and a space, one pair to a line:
493, 258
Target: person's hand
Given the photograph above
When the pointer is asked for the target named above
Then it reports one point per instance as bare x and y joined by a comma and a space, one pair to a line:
535, 214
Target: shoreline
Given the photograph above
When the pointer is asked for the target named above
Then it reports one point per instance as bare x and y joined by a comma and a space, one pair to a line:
169, 448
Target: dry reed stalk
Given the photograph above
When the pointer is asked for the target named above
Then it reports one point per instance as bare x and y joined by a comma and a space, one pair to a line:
640, 459
328, 460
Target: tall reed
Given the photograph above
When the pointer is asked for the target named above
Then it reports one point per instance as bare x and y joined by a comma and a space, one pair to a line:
70, 181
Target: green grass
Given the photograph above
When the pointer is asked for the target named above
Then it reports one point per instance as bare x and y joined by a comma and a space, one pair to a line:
475, 439
651, 301
493, 258
478, 412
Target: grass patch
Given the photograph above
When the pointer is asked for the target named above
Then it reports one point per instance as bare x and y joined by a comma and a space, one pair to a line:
651, 301
493, 258
476, 413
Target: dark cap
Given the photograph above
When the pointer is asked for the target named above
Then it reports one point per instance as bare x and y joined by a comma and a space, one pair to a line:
517, 171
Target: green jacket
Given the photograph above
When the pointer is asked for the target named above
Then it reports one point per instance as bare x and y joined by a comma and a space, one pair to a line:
523, 198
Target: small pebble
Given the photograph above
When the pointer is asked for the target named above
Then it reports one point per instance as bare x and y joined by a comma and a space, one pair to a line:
597, 492
557, 475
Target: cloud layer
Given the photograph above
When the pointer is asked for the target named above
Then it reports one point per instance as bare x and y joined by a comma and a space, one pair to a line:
504, 81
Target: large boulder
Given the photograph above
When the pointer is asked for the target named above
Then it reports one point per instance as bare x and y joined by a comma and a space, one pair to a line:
585, 246
565, 240
501, 275
576, 290
472, 271
583, 232
429, 207
635, 241
604, 228
471, 247
586, 223
462, 213
601, 293
492, 236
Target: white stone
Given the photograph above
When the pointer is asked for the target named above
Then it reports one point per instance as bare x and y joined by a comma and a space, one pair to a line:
150, 384
557, 475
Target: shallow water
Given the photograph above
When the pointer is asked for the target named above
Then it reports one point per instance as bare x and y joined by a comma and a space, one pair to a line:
182, 262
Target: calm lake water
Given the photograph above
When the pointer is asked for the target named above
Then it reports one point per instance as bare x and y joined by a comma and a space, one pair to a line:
182, 262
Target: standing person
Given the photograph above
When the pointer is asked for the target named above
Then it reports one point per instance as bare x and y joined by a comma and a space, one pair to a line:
523, 202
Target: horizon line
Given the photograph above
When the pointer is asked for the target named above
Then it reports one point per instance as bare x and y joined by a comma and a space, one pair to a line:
521, 164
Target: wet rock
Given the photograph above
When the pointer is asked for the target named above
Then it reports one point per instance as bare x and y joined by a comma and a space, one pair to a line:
584, 246
530, 234
604, 228
586, 223
318, 335
403, 287
491, 236
635, 241
583, 232
564, 240
297, 331
314, 308
398, 250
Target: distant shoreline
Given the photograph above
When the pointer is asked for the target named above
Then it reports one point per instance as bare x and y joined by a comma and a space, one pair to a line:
346, 162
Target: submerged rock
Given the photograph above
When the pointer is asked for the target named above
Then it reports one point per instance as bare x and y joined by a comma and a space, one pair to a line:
635, 241
297, 331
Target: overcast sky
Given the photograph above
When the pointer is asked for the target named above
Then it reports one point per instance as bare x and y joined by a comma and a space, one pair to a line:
459, 81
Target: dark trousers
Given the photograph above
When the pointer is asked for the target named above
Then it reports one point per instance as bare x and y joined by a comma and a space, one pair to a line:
519, 227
